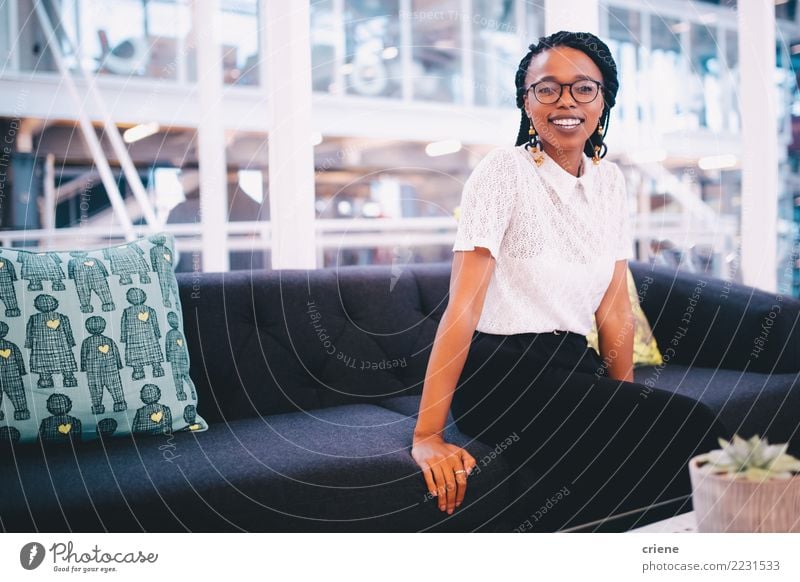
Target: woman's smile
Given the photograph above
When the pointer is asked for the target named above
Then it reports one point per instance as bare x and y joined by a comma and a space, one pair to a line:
566, 123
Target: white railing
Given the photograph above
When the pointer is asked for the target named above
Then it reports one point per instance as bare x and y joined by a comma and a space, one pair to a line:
365, 233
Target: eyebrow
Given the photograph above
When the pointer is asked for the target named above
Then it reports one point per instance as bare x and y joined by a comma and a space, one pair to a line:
575, 78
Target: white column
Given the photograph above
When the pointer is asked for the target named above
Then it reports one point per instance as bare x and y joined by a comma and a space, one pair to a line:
291, 155
211, 139
759, 135
574, 16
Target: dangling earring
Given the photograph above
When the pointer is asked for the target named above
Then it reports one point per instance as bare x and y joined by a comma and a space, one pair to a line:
596, 157
533, 142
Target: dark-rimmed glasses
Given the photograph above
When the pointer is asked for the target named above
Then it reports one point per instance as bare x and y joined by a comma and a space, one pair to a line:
583, 91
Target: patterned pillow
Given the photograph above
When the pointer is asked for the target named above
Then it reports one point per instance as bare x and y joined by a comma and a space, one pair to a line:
645, 349
87, 351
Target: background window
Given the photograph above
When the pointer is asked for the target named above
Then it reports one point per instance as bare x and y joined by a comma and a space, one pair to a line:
436, 50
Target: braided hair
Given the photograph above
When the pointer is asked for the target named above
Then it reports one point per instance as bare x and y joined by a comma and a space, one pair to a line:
600, 54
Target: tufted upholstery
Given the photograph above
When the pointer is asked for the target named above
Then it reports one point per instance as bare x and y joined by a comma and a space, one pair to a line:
276, 342
726, 326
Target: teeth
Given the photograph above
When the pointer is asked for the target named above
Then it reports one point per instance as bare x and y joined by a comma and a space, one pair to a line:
566, 122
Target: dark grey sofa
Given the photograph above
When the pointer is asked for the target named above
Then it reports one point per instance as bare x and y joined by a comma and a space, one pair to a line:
310, 381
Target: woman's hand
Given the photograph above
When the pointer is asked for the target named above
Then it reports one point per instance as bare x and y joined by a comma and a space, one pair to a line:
445, 467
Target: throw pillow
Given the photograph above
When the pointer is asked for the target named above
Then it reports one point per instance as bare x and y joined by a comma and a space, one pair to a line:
645, 349
92, 344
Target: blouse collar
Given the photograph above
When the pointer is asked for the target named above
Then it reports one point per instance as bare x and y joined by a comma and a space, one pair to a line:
565, 184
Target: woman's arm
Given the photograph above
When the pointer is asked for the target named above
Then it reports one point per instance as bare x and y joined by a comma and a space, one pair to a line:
615, 326
469, 281
471, 273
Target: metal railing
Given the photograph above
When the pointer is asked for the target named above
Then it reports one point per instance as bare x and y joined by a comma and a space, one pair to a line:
650, 232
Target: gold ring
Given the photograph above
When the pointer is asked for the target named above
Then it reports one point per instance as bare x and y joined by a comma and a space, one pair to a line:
460, 471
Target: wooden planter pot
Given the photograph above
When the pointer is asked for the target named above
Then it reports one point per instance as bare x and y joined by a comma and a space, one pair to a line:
724, 504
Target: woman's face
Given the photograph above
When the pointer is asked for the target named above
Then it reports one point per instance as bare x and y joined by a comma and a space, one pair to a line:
563, 65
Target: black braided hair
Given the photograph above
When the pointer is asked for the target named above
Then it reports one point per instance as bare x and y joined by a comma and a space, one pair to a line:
596, 50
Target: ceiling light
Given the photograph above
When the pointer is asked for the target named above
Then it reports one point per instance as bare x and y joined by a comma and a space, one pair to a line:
717, 162
140, 131
444, 147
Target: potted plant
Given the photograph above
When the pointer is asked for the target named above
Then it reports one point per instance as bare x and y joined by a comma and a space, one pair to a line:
746, 486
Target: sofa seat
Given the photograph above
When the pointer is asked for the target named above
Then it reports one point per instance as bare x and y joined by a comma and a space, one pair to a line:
309, 471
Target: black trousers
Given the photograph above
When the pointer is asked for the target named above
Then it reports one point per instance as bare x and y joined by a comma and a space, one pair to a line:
607, 446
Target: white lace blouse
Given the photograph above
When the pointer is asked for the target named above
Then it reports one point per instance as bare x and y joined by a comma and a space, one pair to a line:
555, 238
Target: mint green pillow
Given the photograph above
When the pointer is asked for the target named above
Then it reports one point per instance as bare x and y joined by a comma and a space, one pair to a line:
92, 344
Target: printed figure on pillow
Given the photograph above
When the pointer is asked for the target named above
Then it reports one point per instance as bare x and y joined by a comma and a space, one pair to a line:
106, 427
60, 426
190, 416
141, 335
126, 261
101, 361
8, 274
162, 258
152, 418
178, 357
9, 434
49, 337
12, 369
89, 274
38, 267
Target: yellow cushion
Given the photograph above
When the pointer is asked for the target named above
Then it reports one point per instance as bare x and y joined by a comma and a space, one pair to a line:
645, 349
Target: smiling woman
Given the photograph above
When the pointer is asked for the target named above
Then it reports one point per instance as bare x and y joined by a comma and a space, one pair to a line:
542, 246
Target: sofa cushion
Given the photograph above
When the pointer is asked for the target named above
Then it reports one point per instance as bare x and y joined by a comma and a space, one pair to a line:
746, 403
346, 467
92, 344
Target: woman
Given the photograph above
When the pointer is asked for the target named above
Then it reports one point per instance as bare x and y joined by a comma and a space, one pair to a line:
542, 246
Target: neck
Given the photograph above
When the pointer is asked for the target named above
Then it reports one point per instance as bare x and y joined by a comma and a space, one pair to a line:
571, 161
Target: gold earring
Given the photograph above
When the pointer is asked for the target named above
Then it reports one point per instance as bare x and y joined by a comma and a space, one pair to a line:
533, 141
596, 156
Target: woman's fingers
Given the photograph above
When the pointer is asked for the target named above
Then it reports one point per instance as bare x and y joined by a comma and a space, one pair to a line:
460, 473
441, 485
452, 487
429, 481
468, 461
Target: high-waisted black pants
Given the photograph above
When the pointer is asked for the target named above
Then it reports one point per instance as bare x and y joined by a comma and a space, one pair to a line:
609, 446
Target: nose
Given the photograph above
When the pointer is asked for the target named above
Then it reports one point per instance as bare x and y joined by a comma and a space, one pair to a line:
566, 97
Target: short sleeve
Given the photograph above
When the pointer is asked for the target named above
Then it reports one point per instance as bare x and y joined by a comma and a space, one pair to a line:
487, 202
623, 245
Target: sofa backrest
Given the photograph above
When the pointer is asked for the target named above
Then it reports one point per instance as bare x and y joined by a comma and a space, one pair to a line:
265, 342
704, 321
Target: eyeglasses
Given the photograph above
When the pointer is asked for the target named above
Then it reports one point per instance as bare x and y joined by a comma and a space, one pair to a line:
583, 91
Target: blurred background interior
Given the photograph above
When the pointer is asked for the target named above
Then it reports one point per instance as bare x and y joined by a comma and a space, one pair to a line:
406, 97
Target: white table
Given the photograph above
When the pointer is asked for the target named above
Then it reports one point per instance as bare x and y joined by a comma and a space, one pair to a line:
683, 523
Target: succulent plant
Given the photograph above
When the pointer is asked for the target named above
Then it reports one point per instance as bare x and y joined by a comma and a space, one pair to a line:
754, 460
